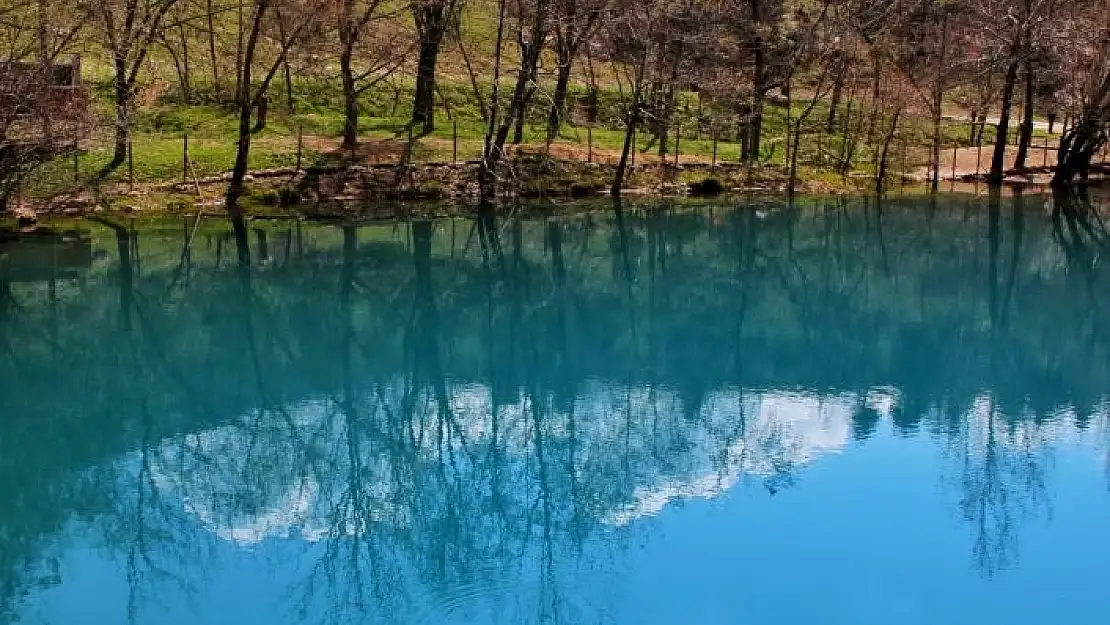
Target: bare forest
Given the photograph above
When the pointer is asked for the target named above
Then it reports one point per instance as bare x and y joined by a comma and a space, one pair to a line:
857, 89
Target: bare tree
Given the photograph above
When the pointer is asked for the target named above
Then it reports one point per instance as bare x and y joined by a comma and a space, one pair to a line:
433, 19
127, 31
574, 23
276, 25
379, 55
1087, 60
1015, 26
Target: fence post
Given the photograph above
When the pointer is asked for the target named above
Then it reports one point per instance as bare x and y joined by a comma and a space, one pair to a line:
714, 166
1044, 153
979, 155
76, 165
677, 141
634, 147
454, 140
590, 143
130, 165
185, 159
955, 153
406, 153
300, 145
903, 162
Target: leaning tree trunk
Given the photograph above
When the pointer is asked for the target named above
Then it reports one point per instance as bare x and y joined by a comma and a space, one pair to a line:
1078, 147
998, 162
1026, 136
634, 115
626, 149
529, 64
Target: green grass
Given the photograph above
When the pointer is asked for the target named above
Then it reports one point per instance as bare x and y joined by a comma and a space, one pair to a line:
160, 128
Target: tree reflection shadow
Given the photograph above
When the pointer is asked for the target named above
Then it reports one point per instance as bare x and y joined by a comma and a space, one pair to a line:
428, 423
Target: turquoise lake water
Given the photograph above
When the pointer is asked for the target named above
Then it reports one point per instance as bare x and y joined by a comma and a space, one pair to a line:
672, 413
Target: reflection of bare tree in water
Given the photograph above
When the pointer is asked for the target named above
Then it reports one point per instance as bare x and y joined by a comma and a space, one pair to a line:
145, 524
1080, 230
1001, 461
357, 571
1002, 480
491, 449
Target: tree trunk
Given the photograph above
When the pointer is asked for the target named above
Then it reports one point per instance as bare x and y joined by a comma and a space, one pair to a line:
518, 132
998, 161
239, 50
634, 114
873, 114
1078, 147
884, 155
182, 73
834, 99
242, 154
559, 97
124, 103
626, 149
759, 86
210, 10
1026, 136
290, 104
423, 106
486, 177
935, 157
245, 103
262, 112
186, 79
937, 106
665, 110
350, 97
529, 62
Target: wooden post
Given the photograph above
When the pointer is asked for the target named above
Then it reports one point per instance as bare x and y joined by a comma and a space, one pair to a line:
904, 161
955, 153
714, 166
1044, 153
634, 148
697, 125
408, 148
185, 159
677, 142
300, 146
454, 141
76, 165
130, 166
590, 143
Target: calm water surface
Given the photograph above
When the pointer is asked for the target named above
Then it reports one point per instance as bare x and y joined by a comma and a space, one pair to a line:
669, 414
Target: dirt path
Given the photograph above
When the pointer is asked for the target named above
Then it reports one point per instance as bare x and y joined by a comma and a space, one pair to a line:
972, 161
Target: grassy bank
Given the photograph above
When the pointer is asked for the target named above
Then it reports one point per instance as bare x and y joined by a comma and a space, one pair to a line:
306, 130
